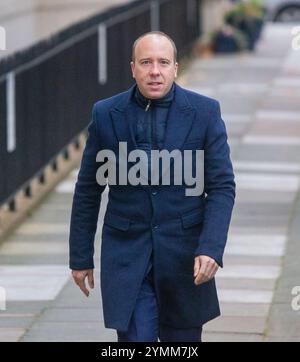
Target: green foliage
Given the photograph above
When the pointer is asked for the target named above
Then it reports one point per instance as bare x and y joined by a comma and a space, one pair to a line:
242, 11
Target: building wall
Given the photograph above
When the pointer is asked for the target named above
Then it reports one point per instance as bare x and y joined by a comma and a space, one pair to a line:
12, 8
212, 14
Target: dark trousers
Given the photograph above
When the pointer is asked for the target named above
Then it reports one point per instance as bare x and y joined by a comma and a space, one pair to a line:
144, 324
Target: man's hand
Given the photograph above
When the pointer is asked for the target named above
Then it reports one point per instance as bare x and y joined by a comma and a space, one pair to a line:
205, 268
79, 278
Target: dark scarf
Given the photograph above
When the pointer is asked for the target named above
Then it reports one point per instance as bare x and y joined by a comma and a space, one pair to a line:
152, 119
163, 102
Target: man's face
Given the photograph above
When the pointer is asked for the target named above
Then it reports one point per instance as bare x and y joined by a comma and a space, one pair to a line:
154, 69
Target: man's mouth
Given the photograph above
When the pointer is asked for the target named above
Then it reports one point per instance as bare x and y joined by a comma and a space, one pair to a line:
154, 83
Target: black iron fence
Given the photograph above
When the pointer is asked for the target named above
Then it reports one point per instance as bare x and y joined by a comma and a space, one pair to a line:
47, 91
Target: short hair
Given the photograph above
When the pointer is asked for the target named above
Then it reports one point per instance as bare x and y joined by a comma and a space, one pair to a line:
160, 33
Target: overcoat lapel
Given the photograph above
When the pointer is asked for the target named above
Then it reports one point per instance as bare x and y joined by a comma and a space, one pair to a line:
179, 124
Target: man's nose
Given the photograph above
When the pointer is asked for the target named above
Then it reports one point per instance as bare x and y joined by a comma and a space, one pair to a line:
155, 69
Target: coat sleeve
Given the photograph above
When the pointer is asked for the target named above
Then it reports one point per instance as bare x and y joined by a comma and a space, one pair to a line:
86, 204
219, 187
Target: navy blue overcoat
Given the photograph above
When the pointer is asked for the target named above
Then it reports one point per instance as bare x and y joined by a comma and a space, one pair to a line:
159, 217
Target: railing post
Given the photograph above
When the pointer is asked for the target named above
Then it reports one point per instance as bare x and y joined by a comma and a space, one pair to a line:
27, 191
191, 11
66, 154
12, 205
42, 178
77, 144
102, 54
54, 165
11, 112
155, 15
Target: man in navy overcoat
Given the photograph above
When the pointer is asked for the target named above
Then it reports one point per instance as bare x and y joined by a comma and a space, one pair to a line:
161, 248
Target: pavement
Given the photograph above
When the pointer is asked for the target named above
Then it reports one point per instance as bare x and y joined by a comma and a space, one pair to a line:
260, 101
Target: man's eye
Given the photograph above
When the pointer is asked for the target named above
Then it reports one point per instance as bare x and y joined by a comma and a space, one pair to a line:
145, 62
164, 62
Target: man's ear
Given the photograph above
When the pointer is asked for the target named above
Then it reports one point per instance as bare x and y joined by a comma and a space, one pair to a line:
176, 69
132, 68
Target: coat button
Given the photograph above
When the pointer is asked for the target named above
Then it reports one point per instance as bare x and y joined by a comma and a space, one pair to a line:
155, 227
154, 193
